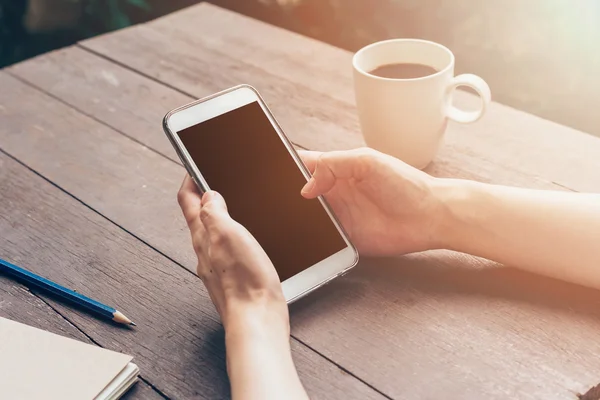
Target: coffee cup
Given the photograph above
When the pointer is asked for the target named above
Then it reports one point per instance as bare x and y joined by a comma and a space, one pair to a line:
403, 90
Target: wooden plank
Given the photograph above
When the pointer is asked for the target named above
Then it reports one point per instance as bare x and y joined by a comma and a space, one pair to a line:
178, 342
309, 86
451, 326
19, 304
99, 88
120, 98
397, 324
142, 391
338, 320
75, 76
115, 175
507, 137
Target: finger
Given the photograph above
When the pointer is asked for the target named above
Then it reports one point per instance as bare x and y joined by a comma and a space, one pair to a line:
201, 245
330, 166
321, 182
309, 158
190, 202
326, 169
213, 212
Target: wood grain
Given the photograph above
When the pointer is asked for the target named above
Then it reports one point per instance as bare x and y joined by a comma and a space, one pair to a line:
451, 326
432, 325
113, 174
19, 304
99, 88
308, 84
201, 71
142, 391
359, 320
115, 96
178, 343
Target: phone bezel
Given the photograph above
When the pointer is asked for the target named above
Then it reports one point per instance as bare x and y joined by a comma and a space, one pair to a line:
220, 103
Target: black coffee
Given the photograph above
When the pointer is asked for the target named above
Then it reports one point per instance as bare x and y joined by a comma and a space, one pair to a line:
403, 71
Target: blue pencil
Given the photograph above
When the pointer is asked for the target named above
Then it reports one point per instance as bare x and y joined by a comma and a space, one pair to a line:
67, 294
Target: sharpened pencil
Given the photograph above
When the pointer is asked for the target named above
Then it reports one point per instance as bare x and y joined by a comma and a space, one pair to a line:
47, 285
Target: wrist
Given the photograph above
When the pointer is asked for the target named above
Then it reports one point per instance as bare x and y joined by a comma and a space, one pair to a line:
459, 203
256, 321
256, 335
259, 358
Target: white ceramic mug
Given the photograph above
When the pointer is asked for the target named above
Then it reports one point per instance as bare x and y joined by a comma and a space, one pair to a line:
406, 118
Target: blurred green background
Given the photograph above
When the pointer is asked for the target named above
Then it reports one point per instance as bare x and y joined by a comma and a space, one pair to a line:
32, 27
540, 56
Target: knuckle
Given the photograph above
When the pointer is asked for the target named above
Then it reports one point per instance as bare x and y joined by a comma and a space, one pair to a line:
206, 213
320, 163
221, 238
366, 152
180, 197
365, 160
213, 212
221, 260
198, 246
321, 158
323, 169
227, 236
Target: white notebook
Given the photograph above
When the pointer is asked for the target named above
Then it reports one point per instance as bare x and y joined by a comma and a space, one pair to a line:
35, 364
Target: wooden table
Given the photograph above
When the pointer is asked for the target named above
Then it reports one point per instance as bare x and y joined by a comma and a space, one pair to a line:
88, 199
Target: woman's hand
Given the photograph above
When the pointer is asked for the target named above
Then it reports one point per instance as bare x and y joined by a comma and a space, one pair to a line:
246, 291
390, 208
237, 273
385, 205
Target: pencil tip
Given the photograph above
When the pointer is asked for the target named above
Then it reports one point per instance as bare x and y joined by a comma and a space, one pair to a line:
132, 324
121, 319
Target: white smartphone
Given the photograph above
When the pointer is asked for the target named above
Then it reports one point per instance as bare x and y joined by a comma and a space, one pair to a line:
230, 142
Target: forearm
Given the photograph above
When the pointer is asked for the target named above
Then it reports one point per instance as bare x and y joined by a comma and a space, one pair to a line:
551, 233
259, 360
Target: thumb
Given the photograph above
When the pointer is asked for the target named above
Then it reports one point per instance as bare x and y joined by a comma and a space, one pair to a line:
328, 167
322, 181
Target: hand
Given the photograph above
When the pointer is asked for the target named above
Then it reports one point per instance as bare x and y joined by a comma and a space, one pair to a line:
385, 205
237, 273
246, 291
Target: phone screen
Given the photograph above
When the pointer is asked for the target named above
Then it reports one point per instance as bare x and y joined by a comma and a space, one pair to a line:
241, 156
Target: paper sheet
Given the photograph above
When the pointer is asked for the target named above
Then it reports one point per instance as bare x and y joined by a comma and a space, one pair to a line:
35, 364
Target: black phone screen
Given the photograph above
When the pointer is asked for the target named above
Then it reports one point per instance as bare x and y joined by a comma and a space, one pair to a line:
241, 156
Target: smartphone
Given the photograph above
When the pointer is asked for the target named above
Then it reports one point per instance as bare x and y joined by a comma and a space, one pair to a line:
230, 142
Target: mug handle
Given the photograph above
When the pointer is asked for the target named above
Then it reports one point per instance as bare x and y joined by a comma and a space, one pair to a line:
477, 84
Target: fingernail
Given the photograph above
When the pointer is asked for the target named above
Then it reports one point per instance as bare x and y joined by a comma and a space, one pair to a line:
309, 186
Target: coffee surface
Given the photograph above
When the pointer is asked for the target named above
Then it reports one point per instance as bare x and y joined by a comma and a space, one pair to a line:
403, 71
